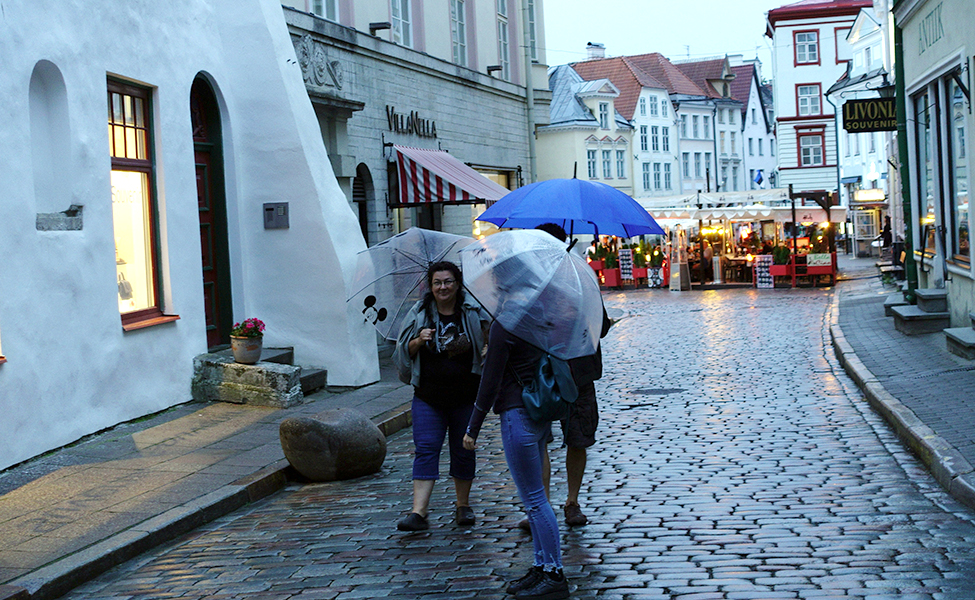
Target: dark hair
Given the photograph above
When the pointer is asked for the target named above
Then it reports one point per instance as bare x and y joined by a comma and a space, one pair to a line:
444, 265
554, 229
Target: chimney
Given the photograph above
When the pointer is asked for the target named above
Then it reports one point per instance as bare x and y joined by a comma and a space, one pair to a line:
595, 51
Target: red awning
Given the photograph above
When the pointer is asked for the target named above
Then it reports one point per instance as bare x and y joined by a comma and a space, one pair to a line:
427, 176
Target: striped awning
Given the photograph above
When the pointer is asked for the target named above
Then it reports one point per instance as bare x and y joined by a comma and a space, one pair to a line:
434, 176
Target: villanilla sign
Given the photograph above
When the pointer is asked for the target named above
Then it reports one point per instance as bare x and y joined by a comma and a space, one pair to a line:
872, 114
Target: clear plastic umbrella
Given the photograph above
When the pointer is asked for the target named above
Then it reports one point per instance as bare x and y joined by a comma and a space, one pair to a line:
391, 276
537, 290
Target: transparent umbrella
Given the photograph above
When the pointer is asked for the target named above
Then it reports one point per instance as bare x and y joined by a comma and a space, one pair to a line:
537, 290
391, 276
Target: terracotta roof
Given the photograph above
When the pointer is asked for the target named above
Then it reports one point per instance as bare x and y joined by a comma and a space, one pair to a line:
701, 71
741, 85
616, 70
657, 66
805, 9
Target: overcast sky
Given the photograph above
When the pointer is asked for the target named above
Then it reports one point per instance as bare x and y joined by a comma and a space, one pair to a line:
674, 28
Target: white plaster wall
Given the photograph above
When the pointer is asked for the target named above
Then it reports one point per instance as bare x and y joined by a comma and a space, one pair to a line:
72, 370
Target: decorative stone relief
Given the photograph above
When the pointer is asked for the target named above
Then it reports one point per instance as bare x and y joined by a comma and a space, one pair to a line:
316, 68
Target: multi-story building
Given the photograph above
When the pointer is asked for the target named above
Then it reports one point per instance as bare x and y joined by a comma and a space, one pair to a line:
809, 54
587, 137
757, 131
863, 157
447, 79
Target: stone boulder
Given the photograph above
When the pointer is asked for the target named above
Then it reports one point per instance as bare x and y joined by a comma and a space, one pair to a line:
337, 444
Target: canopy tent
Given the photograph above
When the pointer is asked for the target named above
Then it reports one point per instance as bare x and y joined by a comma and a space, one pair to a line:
779, 214
434, 176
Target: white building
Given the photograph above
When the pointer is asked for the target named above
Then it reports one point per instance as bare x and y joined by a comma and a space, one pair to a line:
757, 130
809, 54
151, 141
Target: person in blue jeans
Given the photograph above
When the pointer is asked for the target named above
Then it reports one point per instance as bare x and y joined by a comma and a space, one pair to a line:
510, 359
440, 347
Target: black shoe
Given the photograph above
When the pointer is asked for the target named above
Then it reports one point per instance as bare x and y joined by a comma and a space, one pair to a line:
527, 580
413, 522
550, 586
524, 525
465, 516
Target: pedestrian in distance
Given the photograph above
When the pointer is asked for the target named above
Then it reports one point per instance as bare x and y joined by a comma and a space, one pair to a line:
579, 428
440, 345
509, 361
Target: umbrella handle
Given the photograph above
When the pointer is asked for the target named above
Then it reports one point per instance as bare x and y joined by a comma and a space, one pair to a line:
571, 244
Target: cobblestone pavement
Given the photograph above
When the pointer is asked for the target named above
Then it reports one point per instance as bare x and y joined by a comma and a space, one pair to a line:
735, 460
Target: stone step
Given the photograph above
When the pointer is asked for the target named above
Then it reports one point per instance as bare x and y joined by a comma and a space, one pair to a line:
961, 341
932, 300
313, 379
283, 356
892, 301
911, 320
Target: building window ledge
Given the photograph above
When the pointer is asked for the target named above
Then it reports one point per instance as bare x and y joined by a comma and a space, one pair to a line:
3, 359
150, 321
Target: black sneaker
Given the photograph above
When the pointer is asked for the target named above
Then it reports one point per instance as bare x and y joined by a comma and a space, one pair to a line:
413, 522
550, 586
465, 516
527, 580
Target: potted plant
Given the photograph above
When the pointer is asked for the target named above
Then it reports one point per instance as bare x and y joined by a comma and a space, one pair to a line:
599, 257
639, 262
611, 274
781, 256
247, 340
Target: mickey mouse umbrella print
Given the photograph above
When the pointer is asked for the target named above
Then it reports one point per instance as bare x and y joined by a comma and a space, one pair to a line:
392, 275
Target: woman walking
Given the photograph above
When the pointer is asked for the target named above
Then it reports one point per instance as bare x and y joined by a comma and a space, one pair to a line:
440, 344
511, 360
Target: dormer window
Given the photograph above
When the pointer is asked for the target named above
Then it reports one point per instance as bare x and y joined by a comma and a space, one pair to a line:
604, 115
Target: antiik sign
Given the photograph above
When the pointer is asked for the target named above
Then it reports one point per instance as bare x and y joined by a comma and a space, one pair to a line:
871, 114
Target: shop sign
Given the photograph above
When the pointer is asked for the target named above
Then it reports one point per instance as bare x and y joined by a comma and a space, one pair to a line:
930, 30
411, 123
819, 260
871, 114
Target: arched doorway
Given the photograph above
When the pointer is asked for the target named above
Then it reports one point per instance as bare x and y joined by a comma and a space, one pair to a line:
212, 203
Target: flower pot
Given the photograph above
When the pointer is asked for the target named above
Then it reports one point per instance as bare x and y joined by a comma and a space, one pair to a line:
611, 278
639, 272
779, 270
247, 350
597, 265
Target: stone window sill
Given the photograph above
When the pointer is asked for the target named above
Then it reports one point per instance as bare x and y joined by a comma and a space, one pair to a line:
149, 322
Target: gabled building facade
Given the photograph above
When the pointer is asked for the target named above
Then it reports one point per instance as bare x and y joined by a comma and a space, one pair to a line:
809, 53
587, 137
757, 131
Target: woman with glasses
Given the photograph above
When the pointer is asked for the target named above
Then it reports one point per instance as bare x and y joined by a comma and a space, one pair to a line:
442, 341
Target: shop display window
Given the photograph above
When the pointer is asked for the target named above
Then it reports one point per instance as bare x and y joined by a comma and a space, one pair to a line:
924, 118
960, 243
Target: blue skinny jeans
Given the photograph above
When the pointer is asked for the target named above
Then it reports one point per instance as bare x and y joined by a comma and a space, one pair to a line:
430, 427
524, 441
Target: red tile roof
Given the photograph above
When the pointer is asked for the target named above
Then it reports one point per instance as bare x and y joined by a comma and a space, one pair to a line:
811, 9
701, 71
741, 85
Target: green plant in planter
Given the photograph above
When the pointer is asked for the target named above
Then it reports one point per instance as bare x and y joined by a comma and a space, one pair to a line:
612, 261
639, 259
780, 255
656, 258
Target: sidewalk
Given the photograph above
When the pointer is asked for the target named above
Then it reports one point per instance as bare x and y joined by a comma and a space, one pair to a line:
73, 513
926, 393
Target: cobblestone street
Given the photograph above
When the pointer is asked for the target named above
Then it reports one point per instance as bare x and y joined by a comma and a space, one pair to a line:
735, 460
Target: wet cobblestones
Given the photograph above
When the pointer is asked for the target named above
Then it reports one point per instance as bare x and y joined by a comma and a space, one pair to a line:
734, 460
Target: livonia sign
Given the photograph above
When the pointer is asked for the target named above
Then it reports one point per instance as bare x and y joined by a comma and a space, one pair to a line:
872, 114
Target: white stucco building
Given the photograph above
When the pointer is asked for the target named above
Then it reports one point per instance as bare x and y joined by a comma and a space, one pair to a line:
757, 130
809, 54
157, 142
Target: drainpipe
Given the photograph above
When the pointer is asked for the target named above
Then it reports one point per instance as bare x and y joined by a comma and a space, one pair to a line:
910, 266
529, 94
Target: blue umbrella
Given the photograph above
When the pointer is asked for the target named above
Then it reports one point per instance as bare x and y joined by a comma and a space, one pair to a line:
579, 206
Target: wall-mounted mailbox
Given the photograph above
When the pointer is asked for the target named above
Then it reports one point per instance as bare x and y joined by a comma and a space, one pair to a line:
276, 215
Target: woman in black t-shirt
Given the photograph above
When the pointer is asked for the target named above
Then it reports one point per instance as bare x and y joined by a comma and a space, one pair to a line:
440, 344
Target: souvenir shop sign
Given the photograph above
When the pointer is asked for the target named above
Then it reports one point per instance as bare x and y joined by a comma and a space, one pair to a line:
871, 114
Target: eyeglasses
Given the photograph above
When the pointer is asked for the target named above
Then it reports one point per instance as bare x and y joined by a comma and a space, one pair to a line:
444, 282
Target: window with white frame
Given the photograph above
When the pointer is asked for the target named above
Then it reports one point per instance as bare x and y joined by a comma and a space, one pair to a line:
867, 57
734, 179
807, 47
503, 58
958, 209
502, 8
855, 138
697, 165
663, 107
607, 164
402, 32
686, 163
655, 138
707, 163
604, 115
643, 138
771, 150
731, 116
683, 126
591, 163
721, 142
653, 106
326, 8
734, 146
811, 150
665, 138
532, 35
458, 32
646, 177
751, 147
761, 152
807, 98
643, 107
667, 183
657, 183
621, 164
724, 177
721, 115
754, 117
707, 127
695, 122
